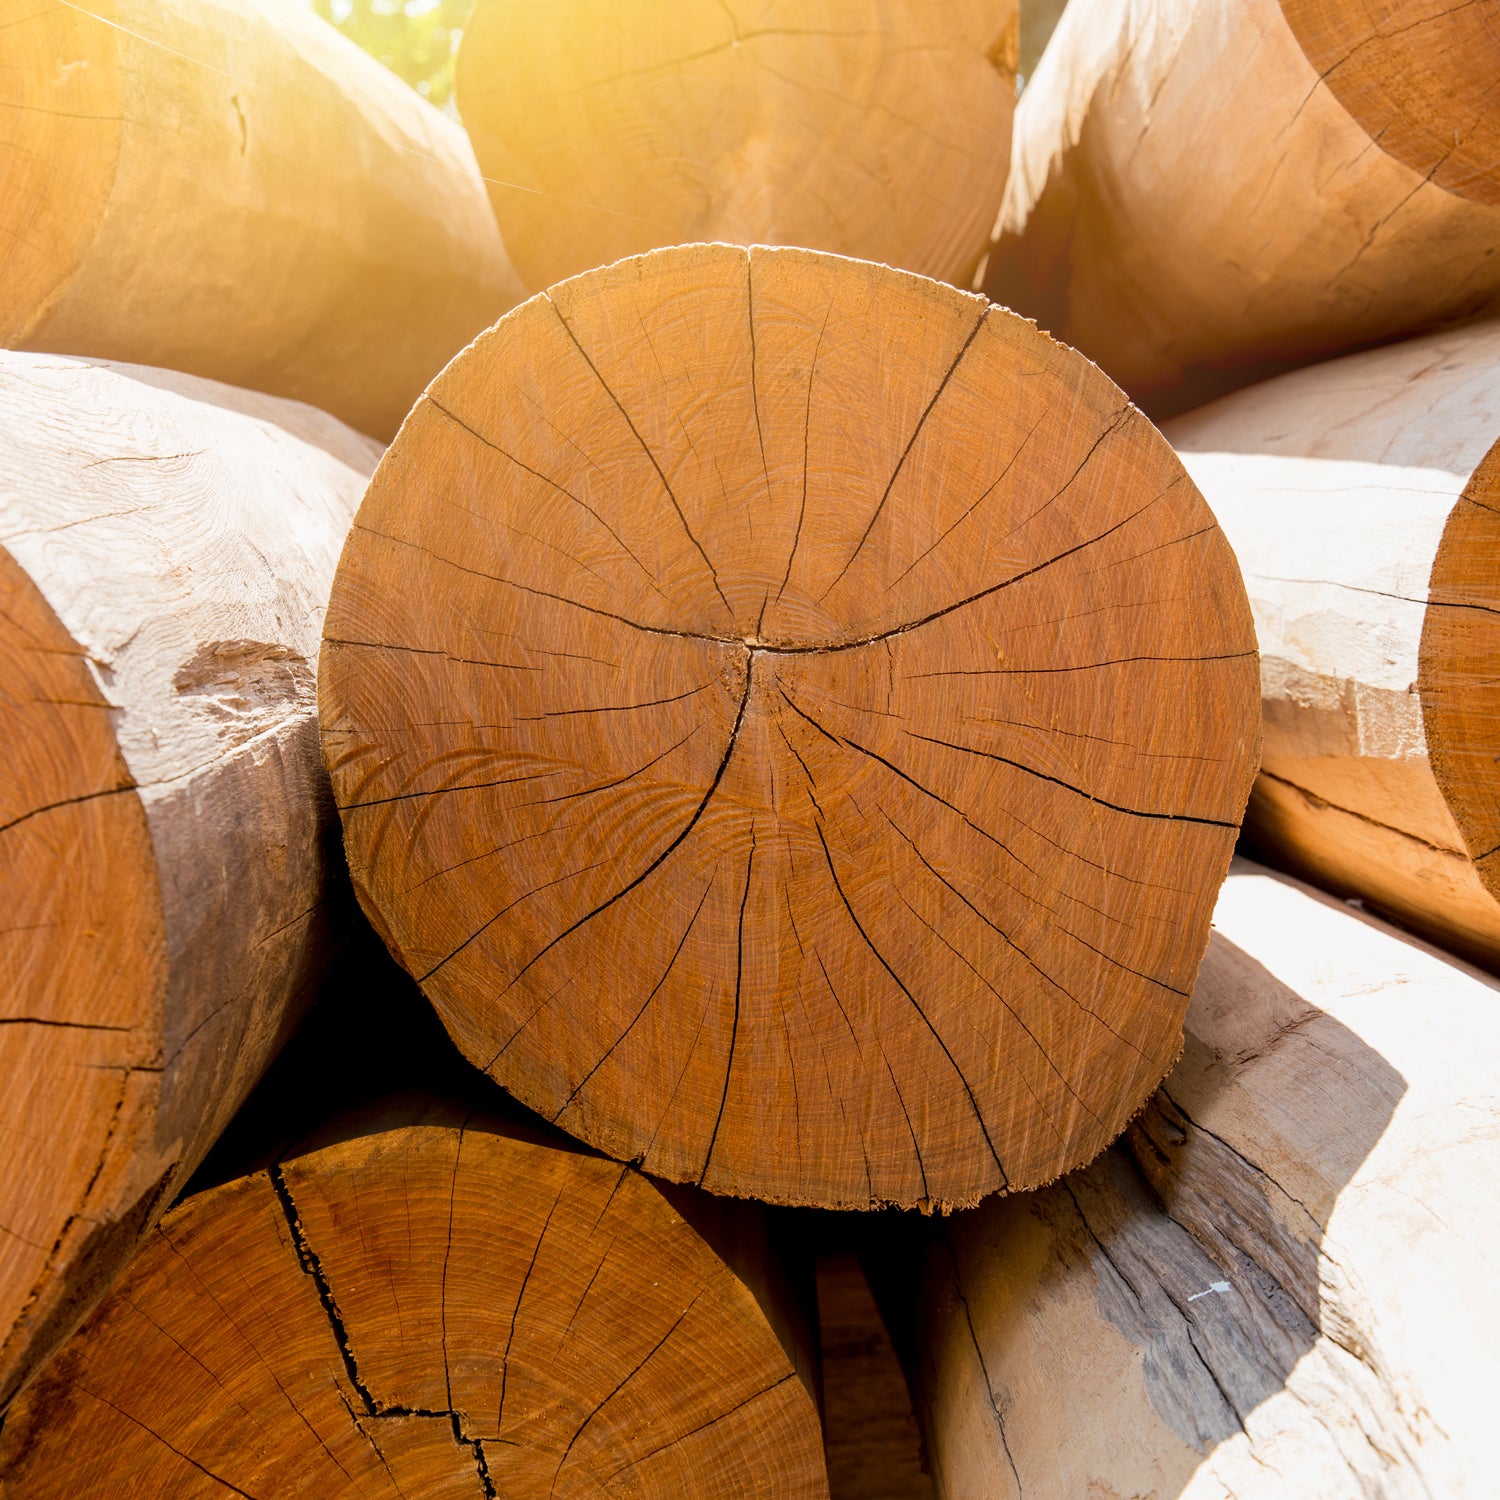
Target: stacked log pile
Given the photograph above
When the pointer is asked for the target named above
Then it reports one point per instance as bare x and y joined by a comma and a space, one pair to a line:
789, 718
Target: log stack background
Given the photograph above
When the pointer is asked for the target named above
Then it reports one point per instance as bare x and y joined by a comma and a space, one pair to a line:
667, 932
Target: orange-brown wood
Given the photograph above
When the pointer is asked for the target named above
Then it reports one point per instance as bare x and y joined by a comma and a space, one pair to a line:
166, 546
431, 1303
608, 127
1204, 192
232, 188
793, 719
1362, 497
1420, 76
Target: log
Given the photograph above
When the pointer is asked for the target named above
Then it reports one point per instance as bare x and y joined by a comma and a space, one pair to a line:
429, 1301
166, 549
608, 127
1281, 1283
1204, 193
792, 719
1363, 501
231, 188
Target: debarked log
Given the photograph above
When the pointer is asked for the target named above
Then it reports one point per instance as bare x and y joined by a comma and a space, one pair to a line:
230, 187
166, 549
1363, 500
1205, 191
1280, 1282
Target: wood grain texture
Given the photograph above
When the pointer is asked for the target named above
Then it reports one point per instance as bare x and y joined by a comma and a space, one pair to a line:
1282, 1282
429, 1302
1203, 192
229, 187
1363, 500
166, 548
609, 127
793, 718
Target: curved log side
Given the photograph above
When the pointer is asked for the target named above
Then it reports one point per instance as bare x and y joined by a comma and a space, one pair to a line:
1278, 1284
609, 127
1204, 192
432, 1303
1363, 500
793, 718
230, 187
166, 549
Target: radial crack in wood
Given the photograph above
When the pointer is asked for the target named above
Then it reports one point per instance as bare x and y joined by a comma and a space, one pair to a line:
230, 187
1363, 499
793, 719
166, 550
431, 1303
609, 127
1203, 193
1280, 1282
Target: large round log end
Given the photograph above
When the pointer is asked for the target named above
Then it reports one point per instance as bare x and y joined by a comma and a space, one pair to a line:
435, 1305
793, 719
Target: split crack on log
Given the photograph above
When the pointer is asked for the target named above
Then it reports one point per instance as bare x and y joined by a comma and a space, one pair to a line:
312, 1267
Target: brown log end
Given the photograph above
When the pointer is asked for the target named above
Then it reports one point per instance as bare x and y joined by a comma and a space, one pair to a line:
1421, 79
83, 954
609, 127
793, 719
1459, 650
430, 1304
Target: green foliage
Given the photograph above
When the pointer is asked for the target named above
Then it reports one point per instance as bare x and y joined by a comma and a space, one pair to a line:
417, 40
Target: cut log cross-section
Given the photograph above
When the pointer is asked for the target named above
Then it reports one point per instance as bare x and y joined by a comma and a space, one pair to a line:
793, 718
1206, 191
230, 187
609, 127
1363, 500
166, 548
432, 1304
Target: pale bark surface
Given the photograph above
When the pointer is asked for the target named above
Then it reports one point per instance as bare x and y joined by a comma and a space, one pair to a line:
1281, 1282
428, 1302
793, 719
1362, 498
608, 127
229, 187
1202, 191
166, 550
